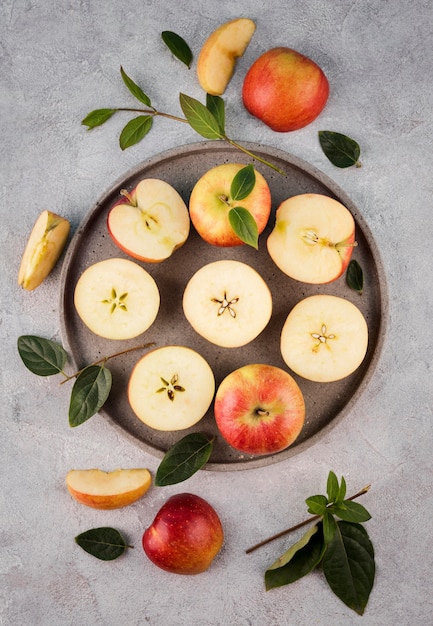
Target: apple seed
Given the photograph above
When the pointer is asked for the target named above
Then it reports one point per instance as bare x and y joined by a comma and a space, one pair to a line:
116, 301
226, 305
170, 387
322, 337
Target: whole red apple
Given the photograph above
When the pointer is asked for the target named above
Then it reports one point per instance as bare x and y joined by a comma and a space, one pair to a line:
185, 536
285, 89
259, 409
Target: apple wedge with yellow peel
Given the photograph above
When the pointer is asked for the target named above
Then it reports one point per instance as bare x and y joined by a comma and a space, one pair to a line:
217, 57
44, 247
108, 490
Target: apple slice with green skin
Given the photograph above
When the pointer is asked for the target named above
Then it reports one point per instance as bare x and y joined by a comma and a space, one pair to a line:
313, 238
228, 303
108, 490
210, 204
171, 388
324, 338
217, 58
151, 222
259, 409
117, 299
44, 247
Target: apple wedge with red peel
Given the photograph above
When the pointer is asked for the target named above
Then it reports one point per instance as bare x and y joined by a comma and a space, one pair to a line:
324, 338
313, 238
259, 409
228, 303
44, 247
151, 222
108, 490
210, 203
117, 299
171, 388
217, 58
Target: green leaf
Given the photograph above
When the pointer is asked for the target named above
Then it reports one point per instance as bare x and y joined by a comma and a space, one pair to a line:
341, 150
216, 106
342, 490
351, 511
89, 393
135, 130
348, 565
200, 118
183, 459
136, 91
105, 543
98, 117
317, 504
329, 526
243, 183
332, 487
177, 46
355, 276
298, 560
42, 357
244, 225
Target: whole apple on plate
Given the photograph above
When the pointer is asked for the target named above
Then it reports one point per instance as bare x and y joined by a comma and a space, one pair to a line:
108, 490
285, 89
171, 388
313, 238
259, 409
117, 298
185, 536
210, 203
228, 303
324, 338
150, 222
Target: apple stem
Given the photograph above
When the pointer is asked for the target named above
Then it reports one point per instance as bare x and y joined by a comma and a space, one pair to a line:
301, 524
252, 155
154, 112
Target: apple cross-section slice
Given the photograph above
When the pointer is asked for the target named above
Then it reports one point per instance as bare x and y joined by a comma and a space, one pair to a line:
44, 247
217, 59
108, 490
313, 238
150, 222
117, 298
171, 388
324, 338
228, 303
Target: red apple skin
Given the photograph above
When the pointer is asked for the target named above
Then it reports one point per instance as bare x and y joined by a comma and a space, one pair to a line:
285, 89
185, 536
259, 409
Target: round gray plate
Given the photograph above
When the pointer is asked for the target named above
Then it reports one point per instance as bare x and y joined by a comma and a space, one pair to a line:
182, 167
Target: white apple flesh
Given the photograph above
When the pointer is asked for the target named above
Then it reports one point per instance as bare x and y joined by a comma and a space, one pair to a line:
324, 338
117, 299
228, 303
171, 388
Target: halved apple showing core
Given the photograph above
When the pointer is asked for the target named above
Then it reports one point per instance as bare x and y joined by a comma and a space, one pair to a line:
108, 490
150, 222
171, 388
117, 299
313, 238
324, 338
228, 303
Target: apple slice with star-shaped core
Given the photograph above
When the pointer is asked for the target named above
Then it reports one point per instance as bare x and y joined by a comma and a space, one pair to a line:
108, 490
228, 303
259, 409
117, 299
150, 222
313, 238
171, 388
324, 338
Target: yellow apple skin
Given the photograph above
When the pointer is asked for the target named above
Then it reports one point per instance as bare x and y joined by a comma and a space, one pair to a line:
217, 59
44, 247
108, 490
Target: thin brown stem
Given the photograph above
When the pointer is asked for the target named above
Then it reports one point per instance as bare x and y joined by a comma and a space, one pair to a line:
154, 112
252, 155
313, 518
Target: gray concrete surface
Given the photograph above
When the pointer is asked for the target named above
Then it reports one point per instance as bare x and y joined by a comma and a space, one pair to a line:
59, 60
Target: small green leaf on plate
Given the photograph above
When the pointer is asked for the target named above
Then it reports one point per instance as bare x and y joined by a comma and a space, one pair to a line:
136, 91
183, 459
177, 46
341, 150
200, 118
89, 393
135, 130
97, 117
355, 276
216, 106
104, 543
42, 357
245, 226
243, 183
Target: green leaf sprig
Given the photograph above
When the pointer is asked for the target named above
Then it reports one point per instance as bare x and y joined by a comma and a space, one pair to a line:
340, 546
104, 543
341, 150
355, 276
92, 385
183, 459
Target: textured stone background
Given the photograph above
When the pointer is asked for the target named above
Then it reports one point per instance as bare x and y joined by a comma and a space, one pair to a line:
59, 60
